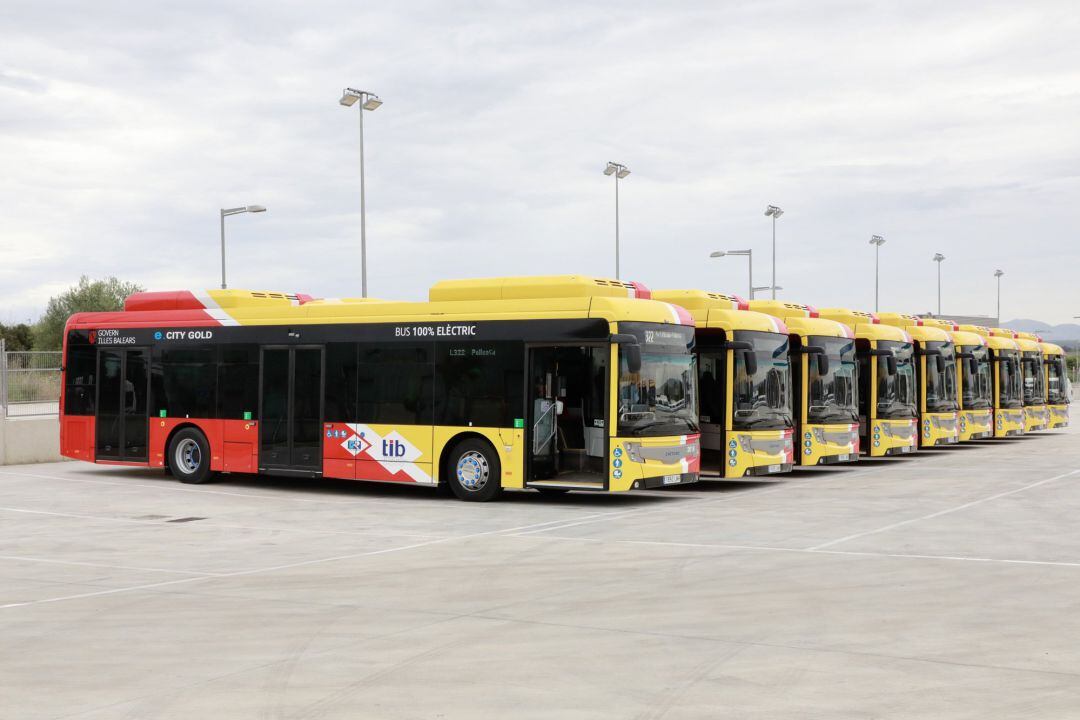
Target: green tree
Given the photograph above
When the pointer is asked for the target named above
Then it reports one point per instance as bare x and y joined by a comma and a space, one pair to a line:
17, 337
88, 296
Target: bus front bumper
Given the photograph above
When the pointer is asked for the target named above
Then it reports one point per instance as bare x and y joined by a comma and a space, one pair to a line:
1059, 416
653, 462
939, 429
829, 444
1008, 422
1036, 418
976, 424
893, 437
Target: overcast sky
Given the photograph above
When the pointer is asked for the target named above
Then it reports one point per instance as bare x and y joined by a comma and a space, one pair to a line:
949, 127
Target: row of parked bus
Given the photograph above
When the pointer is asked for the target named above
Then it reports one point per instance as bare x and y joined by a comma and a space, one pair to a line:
548, 383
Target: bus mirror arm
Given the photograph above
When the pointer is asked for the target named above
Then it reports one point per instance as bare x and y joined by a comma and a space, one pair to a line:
738, 345
965, 355
747, 349
630, 349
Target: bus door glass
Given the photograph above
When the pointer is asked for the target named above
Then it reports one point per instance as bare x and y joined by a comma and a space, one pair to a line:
833, 382
761, 383
122, 422
1055, 383
290, 398
976, 386
896, 392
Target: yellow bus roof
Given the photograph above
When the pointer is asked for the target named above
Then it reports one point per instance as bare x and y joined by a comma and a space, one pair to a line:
965, 338
1028, 335
1026, 345
1051, 349
977, 329
555, 297
781, 309
1001, 343
864, 324
718, 310
534, 287
946, 325
915, 327
806, 327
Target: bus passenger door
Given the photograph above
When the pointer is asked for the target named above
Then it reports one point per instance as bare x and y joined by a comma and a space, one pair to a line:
713, 411
122, 420
290, 409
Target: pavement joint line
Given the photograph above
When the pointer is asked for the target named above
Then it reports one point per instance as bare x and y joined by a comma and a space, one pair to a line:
286, 566
21, 558
213, 524
808, 551
948, 511
779, 646
177, 487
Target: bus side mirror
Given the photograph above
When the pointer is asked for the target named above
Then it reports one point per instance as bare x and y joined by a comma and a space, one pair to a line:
748, 355
822, 358
939, 363
891, 364
628, 346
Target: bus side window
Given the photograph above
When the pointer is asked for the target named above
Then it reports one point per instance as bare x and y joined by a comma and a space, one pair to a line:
395, 384
342, 376
183, 382
479, 383
238, 381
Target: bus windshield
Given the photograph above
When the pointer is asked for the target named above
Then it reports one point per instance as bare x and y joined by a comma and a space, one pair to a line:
660, 398
762, 400
941, 376
1057, 385
1009, 383
896, 393
976, 384
833, 394
1034, 388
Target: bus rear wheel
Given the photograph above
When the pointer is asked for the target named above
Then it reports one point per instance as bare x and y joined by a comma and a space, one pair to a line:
189, 456
473, 471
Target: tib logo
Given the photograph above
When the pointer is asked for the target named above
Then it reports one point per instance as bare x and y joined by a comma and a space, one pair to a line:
393, 448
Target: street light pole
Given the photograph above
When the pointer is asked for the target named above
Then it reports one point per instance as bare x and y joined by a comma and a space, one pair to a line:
619, 171
774, 212
877, 241
225, 212
998, 274
938, 257
750, 258
368, 101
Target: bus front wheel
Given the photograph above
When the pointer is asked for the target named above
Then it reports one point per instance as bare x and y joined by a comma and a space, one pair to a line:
189, 456
473, 471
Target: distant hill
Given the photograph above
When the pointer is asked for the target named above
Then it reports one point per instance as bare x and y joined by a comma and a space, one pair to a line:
1051, 333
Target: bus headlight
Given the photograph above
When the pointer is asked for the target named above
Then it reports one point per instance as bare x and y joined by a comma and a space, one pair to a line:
819, 435
935, 421
746, 442
633, 451
692, 449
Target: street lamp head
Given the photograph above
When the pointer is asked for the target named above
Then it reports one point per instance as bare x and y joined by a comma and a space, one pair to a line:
718, 253
610, 169
373, 102
877, 240
255, 208
998, 273
623, 173
938, 257
773, 211
349, 97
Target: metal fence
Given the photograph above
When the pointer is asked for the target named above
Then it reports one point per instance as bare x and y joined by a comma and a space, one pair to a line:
29, 383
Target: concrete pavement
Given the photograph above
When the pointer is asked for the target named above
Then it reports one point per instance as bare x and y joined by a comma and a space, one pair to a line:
942, 585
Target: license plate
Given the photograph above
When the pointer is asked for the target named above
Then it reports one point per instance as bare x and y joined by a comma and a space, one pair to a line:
775, 468
842, 458
905, 449
672, 479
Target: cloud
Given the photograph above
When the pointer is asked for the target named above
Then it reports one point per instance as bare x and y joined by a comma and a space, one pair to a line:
945, 127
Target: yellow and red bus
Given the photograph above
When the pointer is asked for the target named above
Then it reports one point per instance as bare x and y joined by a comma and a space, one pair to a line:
974, 381
1036, 412
552, 383
824, 375
744, 385
936, 379
1008, 393
888, 411
1058, 390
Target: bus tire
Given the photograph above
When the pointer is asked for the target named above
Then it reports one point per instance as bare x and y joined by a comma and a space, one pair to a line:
473, 471
189, 456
